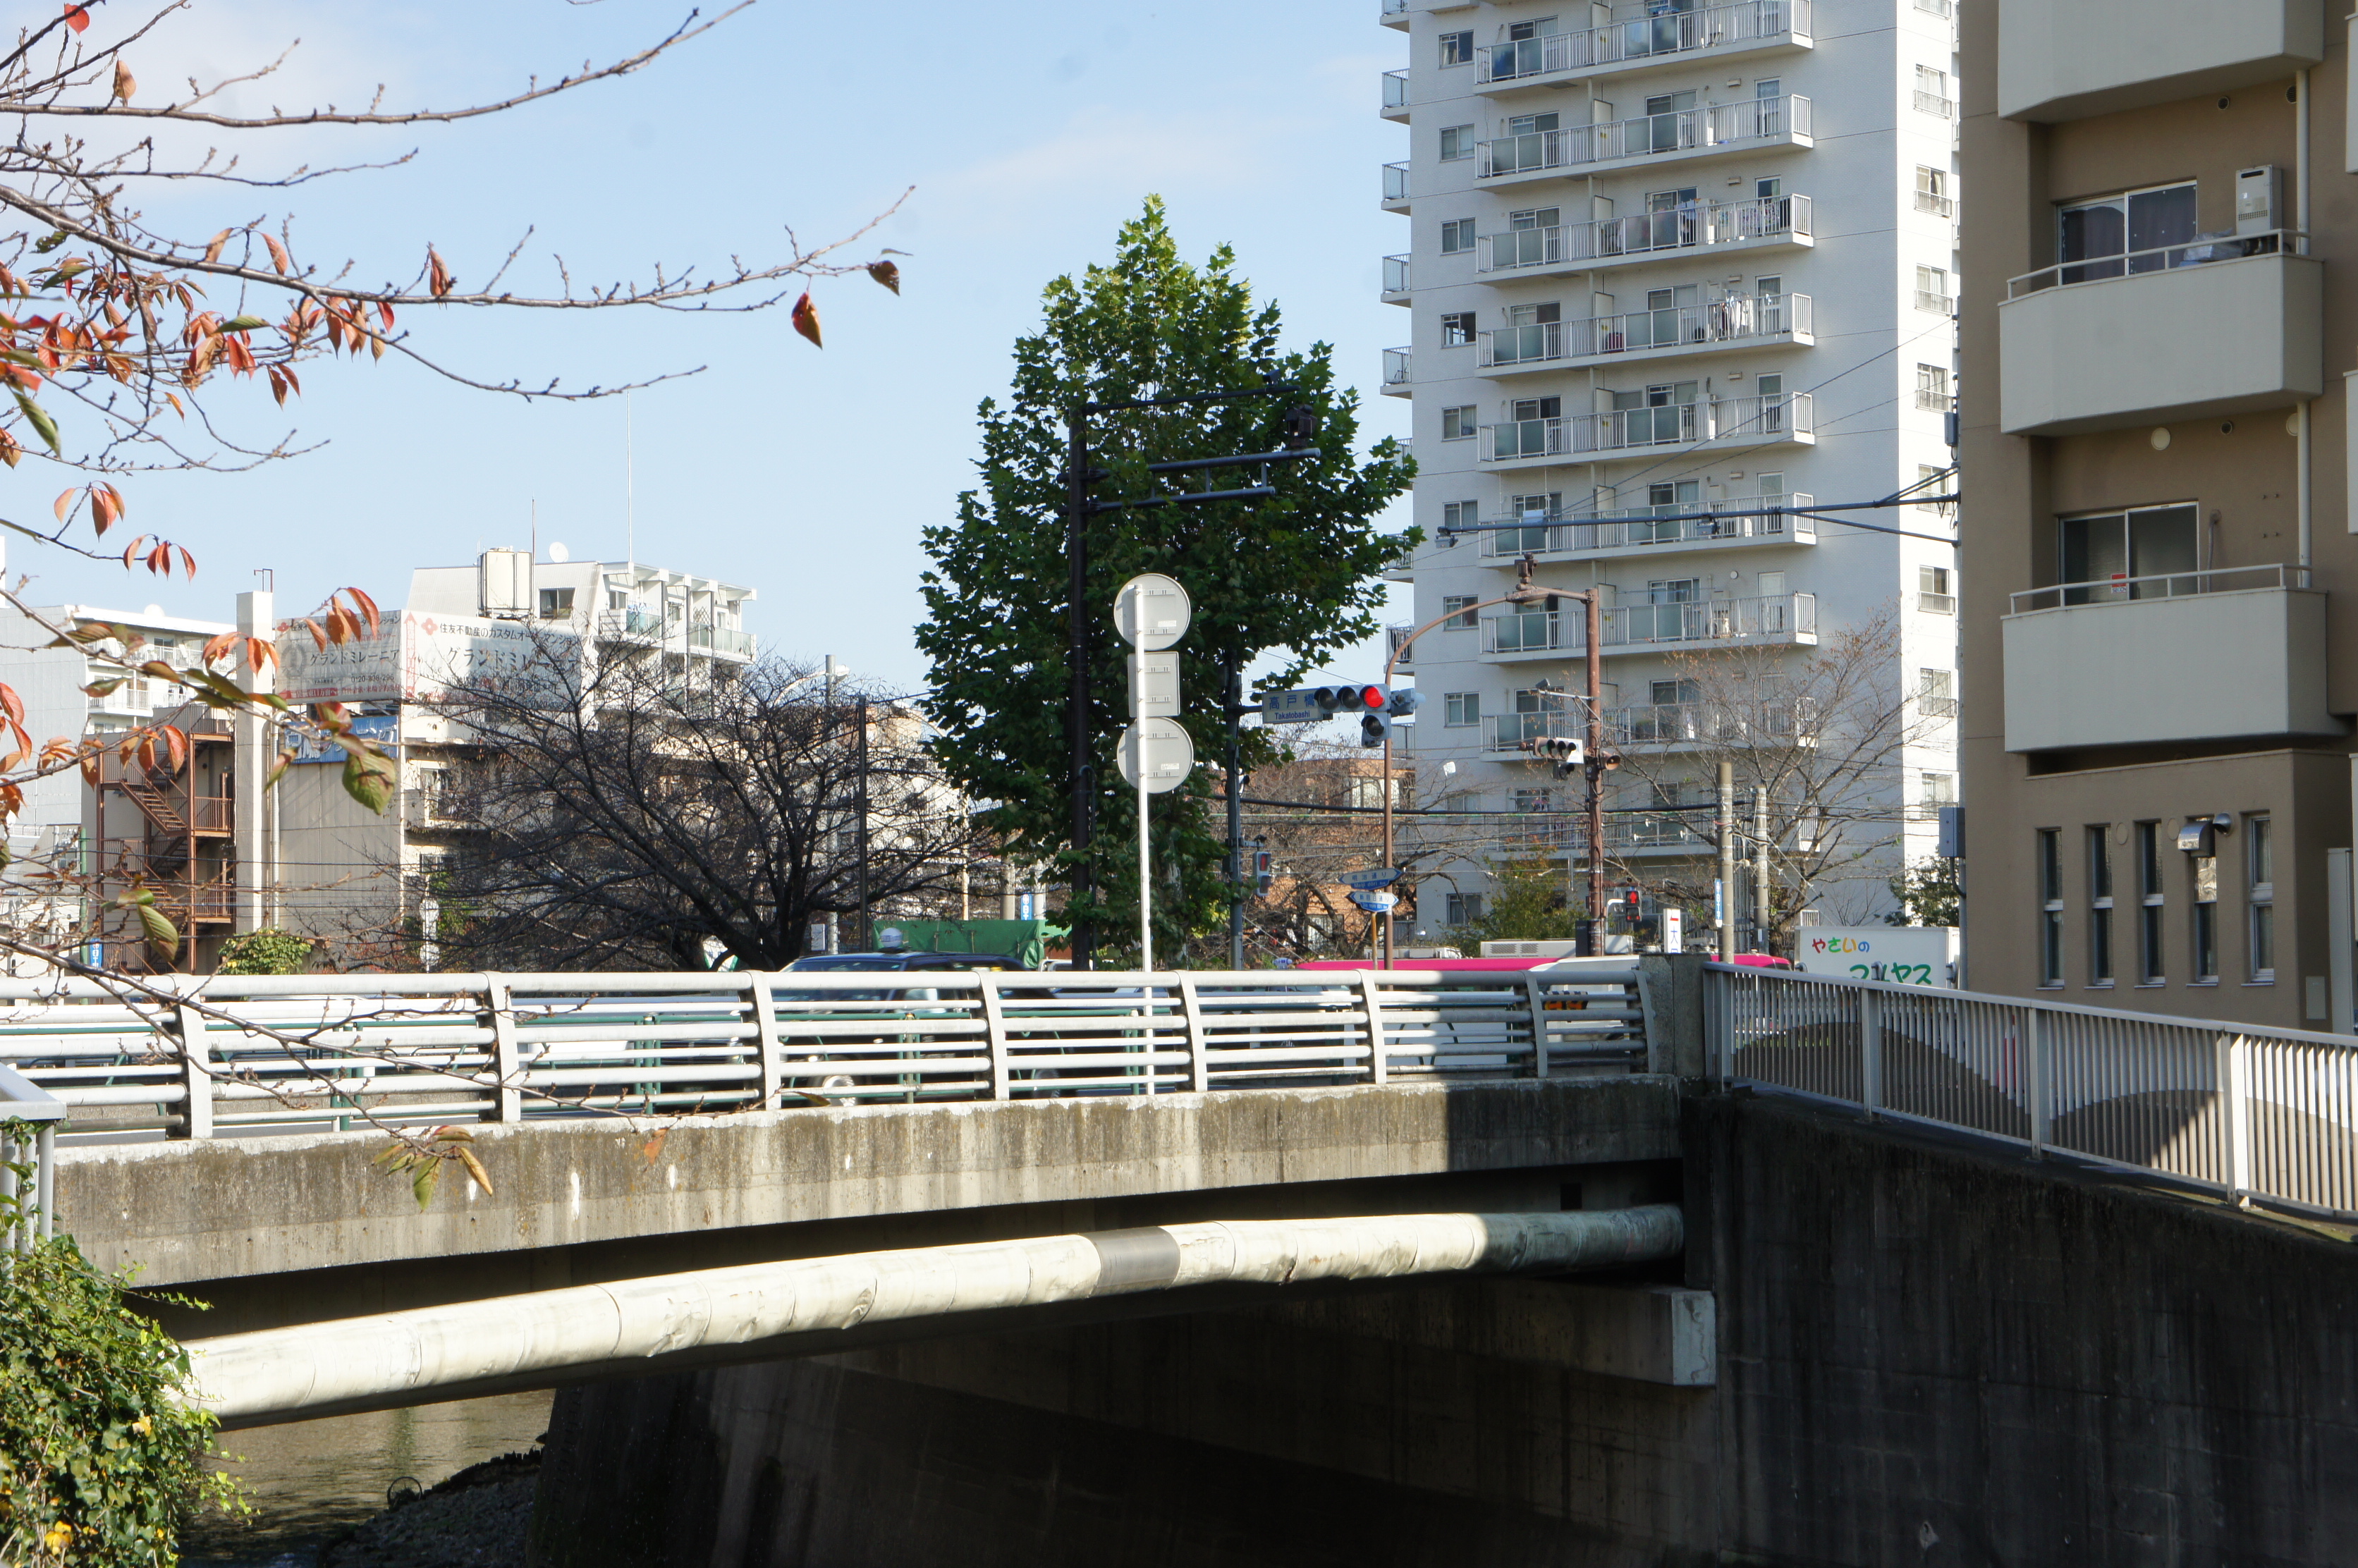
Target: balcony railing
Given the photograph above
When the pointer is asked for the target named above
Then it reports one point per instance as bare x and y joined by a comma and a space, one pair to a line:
1933, 202
632, 623
1935, 400
1937, 7
1645, 38
1732, 519
1683, 130
1697, 723
1787, 417
1504, 732
2198, 252
1395, 93
1396, 182
725, 641
1396, 274
1933, 104
2167, 585
1938, 303
1773, 617
1718, 321
1397, 367
1697, 227
1394, 8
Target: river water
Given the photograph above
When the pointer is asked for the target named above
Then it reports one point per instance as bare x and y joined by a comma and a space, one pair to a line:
310, 1479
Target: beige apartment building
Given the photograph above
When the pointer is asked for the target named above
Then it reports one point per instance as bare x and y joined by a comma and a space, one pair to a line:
2160, 578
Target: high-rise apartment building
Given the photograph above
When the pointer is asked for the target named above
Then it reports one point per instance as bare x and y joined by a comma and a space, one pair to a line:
1673, 265
2158, 517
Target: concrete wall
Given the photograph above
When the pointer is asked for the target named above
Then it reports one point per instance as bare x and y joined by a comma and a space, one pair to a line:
2093, 56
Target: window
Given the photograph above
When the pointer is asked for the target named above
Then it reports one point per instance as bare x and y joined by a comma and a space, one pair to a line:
1933, 290
1927, 482
1936, 590
1936, 693
1768, 190
1462, 709
556, 603
1671, 693
1532, 125
1535, 218
1465, 908
1457, 328
1457, 424
1940, 789
1672, 590
1932, 92
1456, 142
2150, 903
2118, 554
2050, 907
1456, 48
1456, 235
1933, 388
2100, 905
2204, 870
1933, 191
2260, 894
1534, 800
1459, 517
1456, 606
2139, 224
1545, 28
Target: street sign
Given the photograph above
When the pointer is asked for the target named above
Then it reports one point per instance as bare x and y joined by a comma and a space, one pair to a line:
1151, 613
1157, 755
1675, 937
1376, 878
1154, 685
1299, 706
1375, 902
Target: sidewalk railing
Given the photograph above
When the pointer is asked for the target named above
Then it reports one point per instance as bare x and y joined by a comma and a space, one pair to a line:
2259, 1113
27, 1209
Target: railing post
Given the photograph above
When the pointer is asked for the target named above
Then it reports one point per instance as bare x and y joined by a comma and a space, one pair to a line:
1199, 1066
994, 1036
2235, 1085
1372, 999
196, 1071
765, 1041
1535, 995
2036, 1079
12, 1240
45, 1176
507, 1065
1870, 1051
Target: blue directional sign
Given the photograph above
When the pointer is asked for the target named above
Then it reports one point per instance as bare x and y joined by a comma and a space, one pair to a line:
1375, 902
1299, 706
1381, 878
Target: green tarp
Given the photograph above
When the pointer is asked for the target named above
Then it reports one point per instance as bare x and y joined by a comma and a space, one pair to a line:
1026, 941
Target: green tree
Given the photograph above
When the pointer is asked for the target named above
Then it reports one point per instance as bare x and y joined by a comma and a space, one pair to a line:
1296, 575
1526, 903
266, 951
1929, 894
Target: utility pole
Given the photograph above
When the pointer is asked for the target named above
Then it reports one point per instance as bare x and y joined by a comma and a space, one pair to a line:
859, 800
1762, 901
1727, 911
1232, 701
1595, 769
1077, 553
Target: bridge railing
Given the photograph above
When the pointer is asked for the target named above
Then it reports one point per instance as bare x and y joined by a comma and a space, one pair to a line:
28, 1173
2258, 1113
354, 1051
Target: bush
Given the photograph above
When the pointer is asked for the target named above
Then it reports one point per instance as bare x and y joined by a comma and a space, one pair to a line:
268, 951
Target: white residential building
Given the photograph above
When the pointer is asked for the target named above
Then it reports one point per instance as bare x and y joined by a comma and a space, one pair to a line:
1671, 259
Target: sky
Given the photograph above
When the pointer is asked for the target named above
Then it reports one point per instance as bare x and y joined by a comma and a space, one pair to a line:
1024, 136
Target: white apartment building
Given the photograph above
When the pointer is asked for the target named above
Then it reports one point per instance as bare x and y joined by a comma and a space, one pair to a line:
1667, 262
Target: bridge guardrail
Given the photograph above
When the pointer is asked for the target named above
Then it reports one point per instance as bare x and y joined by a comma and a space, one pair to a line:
2255, 1113
25, 1102
224, 1053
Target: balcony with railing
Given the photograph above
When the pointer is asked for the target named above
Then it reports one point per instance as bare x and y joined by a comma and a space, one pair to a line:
2230, 654
1746, 124
2222, 325
1394, 14
1395, 188
1935, 104
1937, 7
1503, 733
1396, 280
2099, 57
632, 623
1938, 304
1726, 423
1715, 226
1782, 618
1659, 40
1938, 205
1728, 520
1739, 322
1396, 97
721, 642
1398, 380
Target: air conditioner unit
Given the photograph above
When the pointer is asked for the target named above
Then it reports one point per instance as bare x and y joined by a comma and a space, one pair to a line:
504, 583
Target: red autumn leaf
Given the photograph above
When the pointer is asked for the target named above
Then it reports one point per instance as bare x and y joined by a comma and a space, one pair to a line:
77, 19
64, 505
438, 280
806, 320
278, 256
213, 247
367, 607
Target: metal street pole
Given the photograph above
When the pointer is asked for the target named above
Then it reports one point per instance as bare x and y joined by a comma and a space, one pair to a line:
1232, 699
1727, 911
1595, 764
1076, 548
1145, 882
867, 924
1763, 903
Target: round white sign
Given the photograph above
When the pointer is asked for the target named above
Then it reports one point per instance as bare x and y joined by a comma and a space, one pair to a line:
1158, 751
1151, 613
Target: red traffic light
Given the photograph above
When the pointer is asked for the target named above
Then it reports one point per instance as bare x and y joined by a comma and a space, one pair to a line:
1374, 698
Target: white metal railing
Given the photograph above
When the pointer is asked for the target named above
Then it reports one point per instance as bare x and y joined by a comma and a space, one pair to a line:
1396, 182
426, 1049
1396, 274
1937, 7
1786, 417
1395, 7
27, 1212
1395, 91
2165, 585
1735, 318
2202, 250
1933, 104
1933, 202
1557, 823
1697, 227
1685, 723
1766, 617
1644, 38
1730, 518
1398, 366
1934, 400
2261, 1113
725, 640
1938, 303
1681, 130
631, 622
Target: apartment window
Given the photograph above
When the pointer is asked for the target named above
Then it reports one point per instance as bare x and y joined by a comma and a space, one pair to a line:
2150, 903
2204, 871
1456, 142
1534, 800
1933, 388
1459, 517
1457, 328
2260, 895
1458, 608
1936, 693
1933, 290
2132, 232
1457, 424
1465, 908
2100, 905
1535, 218
1933, 191
1940, 789
556, 603
2050, 906
1457, 48
1457, 235
1928, 481
1462, 709
1768, 189
1932, 92
2118, 554
1936, 590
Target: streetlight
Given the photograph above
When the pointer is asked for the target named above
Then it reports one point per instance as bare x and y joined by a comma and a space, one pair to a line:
1527, 592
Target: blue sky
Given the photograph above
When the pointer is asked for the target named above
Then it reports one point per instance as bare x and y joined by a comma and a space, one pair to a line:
1029, 132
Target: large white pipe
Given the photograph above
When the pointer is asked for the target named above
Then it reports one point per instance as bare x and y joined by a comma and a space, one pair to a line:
2305, 507
404, 1356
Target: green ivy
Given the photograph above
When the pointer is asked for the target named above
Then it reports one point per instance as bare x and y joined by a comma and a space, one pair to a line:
268, 951
101, 1463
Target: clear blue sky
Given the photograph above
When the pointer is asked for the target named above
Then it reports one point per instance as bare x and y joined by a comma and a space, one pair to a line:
1029, 132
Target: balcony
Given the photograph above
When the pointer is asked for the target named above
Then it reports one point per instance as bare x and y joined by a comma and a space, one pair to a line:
1726, 424
1670, 726
2099, 57
1646, 43
1396, 376
1719, 226
1744, 125
1395, 14
632, 623
1938, 205
2229, 655
1396, 280
1937, 7
1735, 520
1937, 304
1741, 321
1505, 732
1395, 188
1396, 97
2183, 331
1782, 618
721, 642
1934, 104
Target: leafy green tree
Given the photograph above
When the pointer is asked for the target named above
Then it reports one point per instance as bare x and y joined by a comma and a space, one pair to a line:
266, 951
1296, 575
1527, 904
1929, 894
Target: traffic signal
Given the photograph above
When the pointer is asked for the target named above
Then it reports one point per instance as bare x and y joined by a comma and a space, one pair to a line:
1334, 699
1568, 753
1264, 872
1404, 701
1376, 728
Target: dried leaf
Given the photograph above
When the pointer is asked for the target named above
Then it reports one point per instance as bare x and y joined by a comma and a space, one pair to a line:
278, 256
439, 281
126, 84
213, 246
885, 273
651, 1150
806, 320
64, 505
77, 19
475, 1169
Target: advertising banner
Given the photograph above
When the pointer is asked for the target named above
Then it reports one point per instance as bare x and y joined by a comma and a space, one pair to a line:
1898, 955
416, 658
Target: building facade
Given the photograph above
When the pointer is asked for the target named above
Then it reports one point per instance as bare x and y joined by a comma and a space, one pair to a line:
1672, 266
2158, 517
